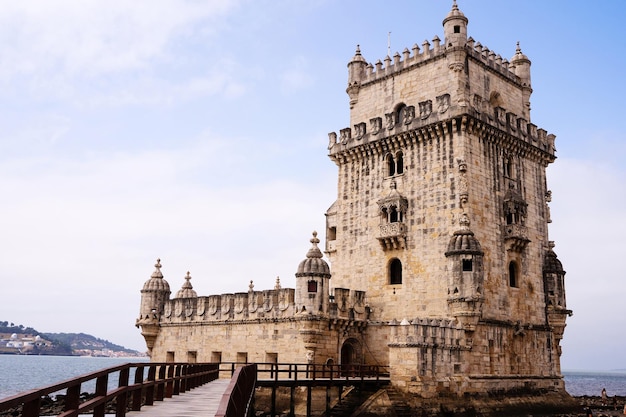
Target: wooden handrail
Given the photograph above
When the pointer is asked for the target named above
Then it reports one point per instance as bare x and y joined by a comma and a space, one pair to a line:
237, 399
166, 379
297, 371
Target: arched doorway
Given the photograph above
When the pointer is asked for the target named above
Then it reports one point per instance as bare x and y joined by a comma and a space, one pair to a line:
350, 356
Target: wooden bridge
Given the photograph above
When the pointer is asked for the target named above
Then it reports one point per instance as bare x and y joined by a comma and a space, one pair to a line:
188, 389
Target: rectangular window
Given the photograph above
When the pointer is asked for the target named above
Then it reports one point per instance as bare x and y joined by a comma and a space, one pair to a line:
312, 286
169, 357
467, 265
216, 357
242, 357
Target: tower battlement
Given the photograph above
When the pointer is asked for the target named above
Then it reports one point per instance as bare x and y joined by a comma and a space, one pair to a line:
420, 122
430, 51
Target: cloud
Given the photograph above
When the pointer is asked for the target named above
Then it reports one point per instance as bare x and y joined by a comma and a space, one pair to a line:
92, 37
112, 53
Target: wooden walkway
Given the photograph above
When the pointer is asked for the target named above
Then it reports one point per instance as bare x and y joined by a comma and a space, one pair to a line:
201, 401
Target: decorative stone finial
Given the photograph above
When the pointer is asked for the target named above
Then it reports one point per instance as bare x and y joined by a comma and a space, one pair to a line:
277, 285
187, 283
157, 272
251, 286
314, 240
464, 221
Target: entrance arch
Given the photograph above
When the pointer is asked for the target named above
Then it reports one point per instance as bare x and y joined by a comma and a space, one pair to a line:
350, 356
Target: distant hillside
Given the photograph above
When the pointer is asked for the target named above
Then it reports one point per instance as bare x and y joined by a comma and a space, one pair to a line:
82, 341
18, 339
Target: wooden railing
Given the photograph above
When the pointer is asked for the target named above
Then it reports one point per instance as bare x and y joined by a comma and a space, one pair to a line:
238, 397
151, 382
306, 372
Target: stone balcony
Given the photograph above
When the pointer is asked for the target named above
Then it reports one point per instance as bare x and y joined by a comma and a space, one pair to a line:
515, 237
392, 235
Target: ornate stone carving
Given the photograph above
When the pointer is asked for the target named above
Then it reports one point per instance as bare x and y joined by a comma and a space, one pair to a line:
332, 139
463, 187
376, 125
408, 114
359, 130
426, 108
390, 121
345, 135
443, 103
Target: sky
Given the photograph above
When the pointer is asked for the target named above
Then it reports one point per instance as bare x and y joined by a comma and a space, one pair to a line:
196, 132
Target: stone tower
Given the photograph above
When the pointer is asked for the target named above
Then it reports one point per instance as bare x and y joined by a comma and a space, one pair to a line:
441, 269
442, 216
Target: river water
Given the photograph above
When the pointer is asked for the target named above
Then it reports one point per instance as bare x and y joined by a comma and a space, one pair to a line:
19, 373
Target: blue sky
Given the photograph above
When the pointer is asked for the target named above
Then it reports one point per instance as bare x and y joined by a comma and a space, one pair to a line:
196, 131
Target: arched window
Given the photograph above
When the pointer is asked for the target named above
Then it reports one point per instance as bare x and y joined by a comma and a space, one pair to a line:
513, 274
394, 216
400, 113
395, 272
399, 163
508, 168
391, 165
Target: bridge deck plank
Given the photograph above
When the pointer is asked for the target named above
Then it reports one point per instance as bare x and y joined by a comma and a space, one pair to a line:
201, 401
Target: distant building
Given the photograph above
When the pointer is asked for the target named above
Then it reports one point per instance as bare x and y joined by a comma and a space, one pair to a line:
442, 268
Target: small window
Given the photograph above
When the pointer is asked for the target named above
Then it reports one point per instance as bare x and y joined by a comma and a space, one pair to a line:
508, 168
395, 272
216, 357
399, 163
457, 29
169, 357
513, 274
391, 165
192, 356
467, 265
242, 357
312, 286
394, 215
332, 233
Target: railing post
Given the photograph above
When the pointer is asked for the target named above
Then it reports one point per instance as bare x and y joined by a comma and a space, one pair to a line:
102, 383
121, 400
72, 397
136, 406
31, 408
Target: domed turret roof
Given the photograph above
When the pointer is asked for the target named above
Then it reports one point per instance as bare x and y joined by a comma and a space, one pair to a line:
314, 265
156, 281
551, 263
455, 13
463, 241
519, 57
186, 290
357, 56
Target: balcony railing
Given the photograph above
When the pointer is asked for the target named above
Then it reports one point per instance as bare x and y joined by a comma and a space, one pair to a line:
392, 235
150, 382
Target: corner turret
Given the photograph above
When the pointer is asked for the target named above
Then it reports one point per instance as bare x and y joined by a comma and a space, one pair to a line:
154, 294
313, 281
455, 28
356, 73
521, 67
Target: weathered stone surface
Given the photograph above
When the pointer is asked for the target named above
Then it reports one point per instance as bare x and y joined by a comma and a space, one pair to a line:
442, 269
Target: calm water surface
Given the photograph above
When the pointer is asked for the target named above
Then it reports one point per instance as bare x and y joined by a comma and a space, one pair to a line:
22, 373
19, 373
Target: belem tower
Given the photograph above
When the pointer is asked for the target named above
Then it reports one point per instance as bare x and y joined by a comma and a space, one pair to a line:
442, 267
